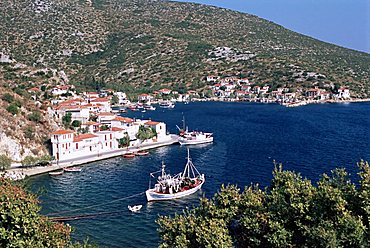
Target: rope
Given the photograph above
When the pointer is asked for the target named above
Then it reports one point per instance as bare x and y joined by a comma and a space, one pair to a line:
92, 206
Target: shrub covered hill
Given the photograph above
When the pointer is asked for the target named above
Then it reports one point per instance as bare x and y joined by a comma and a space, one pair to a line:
144, 45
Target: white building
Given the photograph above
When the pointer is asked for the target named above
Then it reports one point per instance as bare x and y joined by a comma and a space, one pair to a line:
344, 93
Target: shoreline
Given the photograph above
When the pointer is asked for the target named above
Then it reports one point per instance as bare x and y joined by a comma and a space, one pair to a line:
21, 173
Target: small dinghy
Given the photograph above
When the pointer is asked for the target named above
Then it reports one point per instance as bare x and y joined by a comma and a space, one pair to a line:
129, 155
55, 173
73, 169
142, 153
135, 208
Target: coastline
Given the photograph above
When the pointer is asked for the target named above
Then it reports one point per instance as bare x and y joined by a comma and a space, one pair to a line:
21, 173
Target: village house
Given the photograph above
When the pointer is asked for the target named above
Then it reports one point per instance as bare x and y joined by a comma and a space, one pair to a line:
212, 78
61, 89
165, 91
144, 97
104, 103
343, 93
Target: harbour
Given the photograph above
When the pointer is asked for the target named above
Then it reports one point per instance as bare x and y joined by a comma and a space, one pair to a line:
248, 137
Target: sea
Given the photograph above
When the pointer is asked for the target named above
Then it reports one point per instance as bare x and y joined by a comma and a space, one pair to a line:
249, 138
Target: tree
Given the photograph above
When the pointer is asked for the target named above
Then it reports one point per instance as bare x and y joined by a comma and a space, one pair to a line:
114, 100
5, 162
76, 123
35, 116
145, 133
291, 212
29, 133
21, 224
7, 97
125, 141
13, 109
66, 120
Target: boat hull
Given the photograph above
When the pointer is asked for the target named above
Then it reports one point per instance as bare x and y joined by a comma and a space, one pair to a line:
184, 141
152, 195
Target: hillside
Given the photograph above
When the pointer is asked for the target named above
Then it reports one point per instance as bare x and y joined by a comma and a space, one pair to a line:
143, 44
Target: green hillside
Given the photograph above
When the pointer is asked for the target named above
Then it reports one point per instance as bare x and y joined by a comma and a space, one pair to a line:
142, 44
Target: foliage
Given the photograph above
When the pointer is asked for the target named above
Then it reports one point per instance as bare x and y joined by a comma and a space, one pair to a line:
291, 212
21, 224
125, 141
114, 100
35, 116
7, 97
35, 161
93, 118
76, 123
66, 119
5, 162
145, 133
104, 127
13, 109
29, 133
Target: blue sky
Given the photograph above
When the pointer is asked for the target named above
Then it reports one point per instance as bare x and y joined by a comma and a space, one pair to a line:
342, 22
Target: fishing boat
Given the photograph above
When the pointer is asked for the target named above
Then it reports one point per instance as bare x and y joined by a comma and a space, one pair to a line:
135, 208
194, 137
142, 153
166, 104
129, 155
73, 169
150, 107
172, 187
56, 173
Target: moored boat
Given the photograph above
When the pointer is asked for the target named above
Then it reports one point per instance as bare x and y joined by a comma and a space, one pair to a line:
172, 187
166, 104
56, 173
135, 208
194, 138
129, 155
73, 169
142, 153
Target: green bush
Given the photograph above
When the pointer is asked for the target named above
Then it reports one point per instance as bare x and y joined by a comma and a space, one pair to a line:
5, 162
22, 225
13, 109
29, 133
291, 212
35, 116
7, 97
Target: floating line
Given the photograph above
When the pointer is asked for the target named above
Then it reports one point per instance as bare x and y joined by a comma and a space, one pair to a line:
88, 207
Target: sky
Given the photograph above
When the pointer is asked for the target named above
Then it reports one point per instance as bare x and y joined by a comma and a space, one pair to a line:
342, 22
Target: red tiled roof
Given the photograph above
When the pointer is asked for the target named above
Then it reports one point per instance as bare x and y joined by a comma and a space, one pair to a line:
60, 132
117, 129
84, 136
92, 123
123, 119
151, 123
100, 99
105, 114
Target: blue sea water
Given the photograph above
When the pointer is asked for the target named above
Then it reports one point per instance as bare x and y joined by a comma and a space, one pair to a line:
312, 140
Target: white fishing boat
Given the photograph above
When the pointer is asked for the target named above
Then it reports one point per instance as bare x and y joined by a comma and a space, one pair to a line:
166, 104
172, 187
194, 137
135, 208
